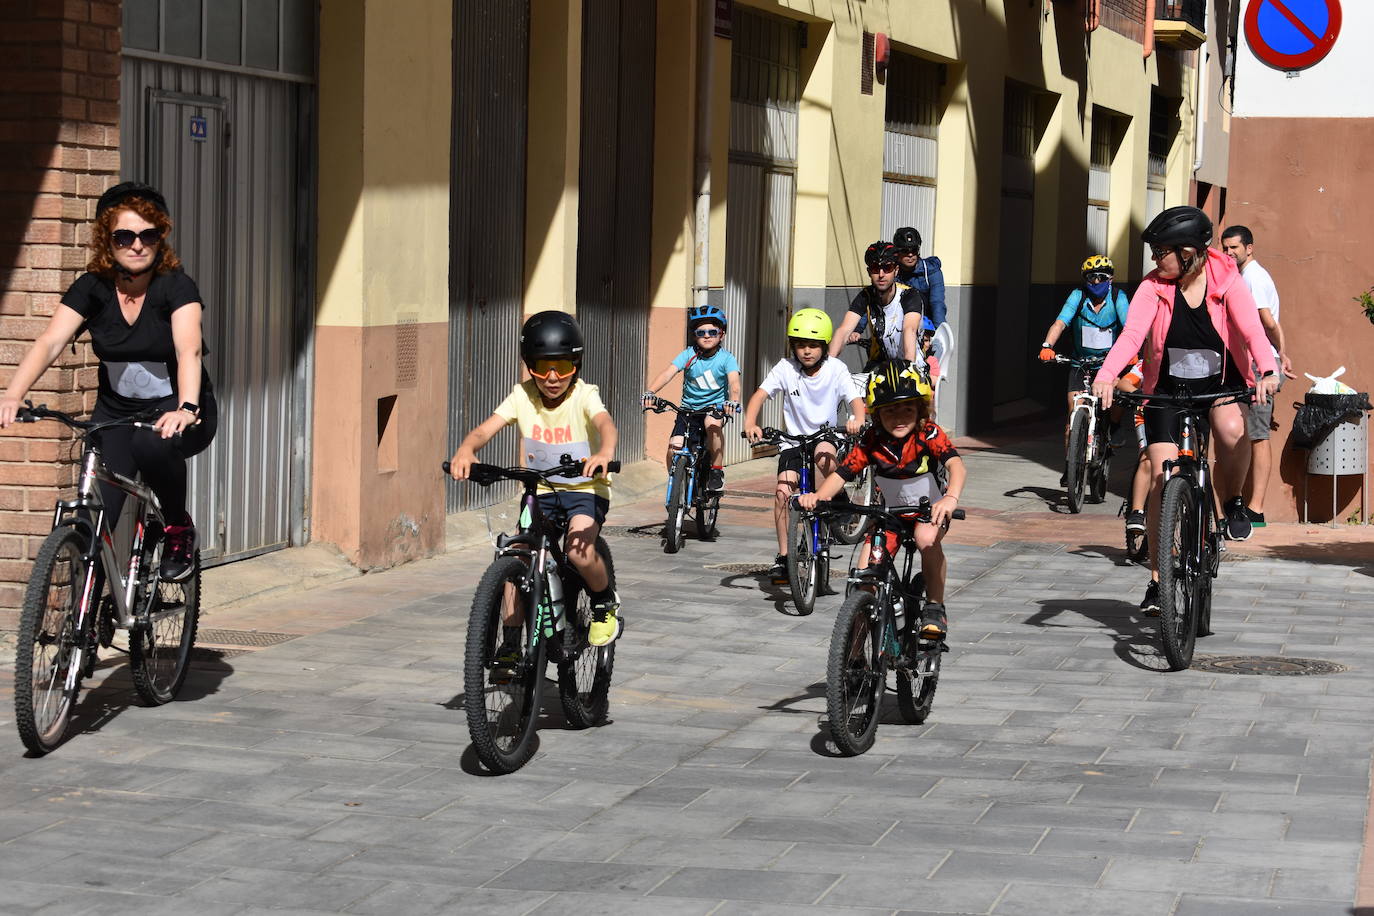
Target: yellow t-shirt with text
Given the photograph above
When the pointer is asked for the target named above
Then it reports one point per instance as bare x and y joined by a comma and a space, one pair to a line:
547, 435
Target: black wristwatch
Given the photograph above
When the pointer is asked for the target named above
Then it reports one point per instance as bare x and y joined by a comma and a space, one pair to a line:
193, 408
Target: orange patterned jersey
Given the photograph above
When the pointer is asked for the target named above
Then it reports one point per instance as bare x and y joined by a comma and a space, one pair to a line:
898, 459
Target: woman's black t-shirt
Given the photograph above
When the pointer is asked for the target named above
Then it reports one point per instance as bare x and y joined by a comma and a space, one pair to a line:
1195, 359
138, 362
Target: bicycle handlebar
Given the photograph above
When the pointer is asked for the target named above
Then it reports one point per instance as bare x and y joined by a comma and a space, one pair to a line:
661, 404
1185, 401
487, 474
890, 517
32, 414
824, 434
1091, 363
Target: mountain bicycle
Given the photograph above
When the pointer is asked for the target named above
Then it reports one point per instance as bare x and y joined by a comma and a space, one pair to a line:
874, 632
687, 478
1088, 455
69, 614
1189, 543
809, 536
531, 592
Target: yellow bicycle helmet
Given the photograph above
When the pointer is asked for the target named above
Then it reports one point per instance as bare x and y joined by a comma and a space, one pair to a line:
811, 324
896, 381
1099, 263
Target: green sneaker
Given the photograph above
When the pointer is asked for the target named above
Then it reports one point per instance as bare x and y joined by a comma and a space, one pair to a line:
605, 628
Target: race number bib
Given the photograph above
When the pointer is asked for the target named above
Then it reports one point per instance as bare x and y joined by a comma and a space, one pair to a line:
144, 381
908, 492
1095, 338
1194, 364
541, 456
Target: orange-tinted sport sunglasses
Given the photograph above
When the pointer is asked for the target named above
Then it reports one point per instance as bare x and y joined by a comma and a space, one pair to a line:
553, 368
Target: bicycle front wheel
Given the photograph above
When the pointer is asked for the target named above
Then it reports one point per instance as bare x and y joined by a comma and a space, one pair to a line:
855, 674
673, 533
1075, 463
862, 491
48, 659
501, 691
1178, 573
801, 561
584, 670
160, 648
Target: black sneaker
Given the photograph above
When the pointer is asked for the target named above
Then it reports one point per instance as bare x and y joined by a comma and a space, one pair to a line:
934, 623
1150, 606
1238, 527
507, 660
1135, 520
715, 481
1256, 518
778, 572
178, 552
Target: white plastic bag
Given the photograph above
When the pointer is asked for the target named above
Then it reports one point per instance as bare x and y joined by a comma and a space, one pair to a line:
1329, 385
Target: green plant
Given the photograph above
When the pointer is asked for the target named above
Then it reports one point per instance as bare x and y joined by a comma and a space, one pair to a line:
1366, 301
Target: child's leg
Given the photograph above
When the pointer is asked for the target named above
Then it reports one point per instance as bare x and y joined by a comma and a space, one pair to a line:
581, 548
788, 482
825, 462
1140, 484
674, 444
715, 441
933, 566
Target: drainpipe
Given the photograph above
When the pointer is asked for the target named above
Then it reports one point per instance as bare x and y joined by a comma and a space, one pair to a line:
1199, 133
701, 277
1148, 42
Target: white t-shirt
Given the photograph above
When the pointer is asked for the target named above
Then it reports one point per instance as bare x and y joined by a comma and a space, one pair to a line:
810, 401
1262, 289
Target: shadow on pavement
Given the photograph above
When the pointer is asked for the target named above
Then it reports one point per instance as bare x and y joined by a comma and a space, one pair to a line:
1133, 640
1055, 500
780, 595
1115, 553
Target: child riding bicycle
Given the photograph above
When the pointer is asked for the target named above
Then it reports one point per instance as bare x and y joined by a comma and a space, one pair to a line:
560, 414
707, 368
906, 449
812, 386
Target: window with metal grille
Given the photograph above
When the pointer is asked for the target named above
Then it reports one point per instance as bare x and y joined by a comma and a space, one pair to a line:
765, 63
1125, 17
1164, 126
1018, 121
913, 96
866, 66
259, 34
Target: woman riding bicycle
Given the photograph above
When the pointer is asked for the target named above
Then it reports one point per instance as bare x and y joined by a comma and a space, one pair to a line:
144, 316
1200, 329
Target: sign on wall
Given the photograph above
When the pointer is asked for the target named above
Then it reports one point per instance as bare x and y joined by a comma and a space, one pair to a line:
1292, 34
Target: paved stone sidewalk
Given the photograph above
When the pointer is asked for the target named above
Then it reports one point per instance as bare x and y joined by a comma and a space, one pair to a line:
1061, 771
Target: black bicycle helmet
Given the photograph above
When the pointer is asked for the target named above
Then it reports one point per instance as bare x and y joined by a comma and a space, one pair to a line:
1179, 226
907, 239
127, 189
896, 381
551, 335
880, 252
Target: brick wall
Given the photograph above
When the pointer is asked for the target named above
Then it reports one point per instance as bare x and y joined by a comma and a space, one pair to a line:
59, 150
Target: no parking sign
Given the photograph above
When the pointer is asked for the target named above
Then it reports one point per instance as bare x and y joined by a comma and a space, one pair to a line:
1292, 34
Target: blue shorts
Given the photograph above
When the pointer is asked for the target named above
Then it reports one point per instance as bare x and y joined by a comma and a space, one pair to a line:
559, 507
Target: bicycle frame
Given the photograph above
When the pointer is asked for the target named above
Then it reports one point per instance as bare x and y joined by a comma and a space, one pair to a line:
693, 443
532, 544
1089, 403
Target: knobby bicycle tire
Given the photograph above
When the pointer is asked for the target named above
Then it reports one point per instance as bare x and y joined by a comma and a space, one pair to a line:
1075, 463
584, 670
673, 534
47, 677
916, 685
855, 674
160, 651
502, 715
801, 561
862, 491
1178, 573
1102, 468
708, 503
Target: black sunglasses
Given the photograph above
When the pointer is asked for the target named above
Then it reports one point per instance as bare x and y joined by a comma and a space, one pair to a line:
124, 238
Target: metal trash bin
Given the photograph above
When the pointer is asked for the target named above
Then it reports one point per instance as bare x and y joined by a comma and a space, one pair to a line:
1342, 451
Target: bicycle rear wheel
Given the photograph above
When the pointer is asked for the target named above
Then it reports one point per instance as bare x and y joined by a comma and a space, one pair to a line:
47, 662
160, 649
673, 534
1075, 464
916, 685
584, 670
862, 491
708, 504
801, 561
1100, 472
502, 709
1178, 573
855, 674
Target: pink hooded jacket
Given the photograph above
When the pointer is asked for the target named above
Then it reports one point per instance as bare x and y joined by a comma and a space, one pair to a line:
1229, 304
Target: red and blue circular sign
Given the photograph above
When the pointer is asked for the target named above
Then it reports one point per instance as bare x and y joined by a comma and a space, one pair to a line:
1292, 34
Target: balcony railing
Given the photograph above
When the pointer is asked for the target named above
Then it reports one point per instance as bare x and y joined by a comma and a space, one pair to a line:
1181, 23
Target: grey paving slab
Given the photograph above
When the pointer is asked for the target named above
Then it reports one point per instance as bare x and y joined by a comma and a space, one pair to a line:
1216, 905
747, 884
280, 889
1022, 899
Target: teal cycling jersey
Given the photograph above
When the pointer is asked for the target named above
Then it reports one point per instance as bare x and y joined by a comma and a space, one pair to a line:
705, 378
1094, 332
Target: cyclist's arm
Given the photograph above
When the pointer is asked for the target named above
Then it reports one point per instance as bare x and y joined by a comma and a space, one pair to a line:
829, 489
62, 327
1274, 331
911, 329
663, 378
605, 428
462, 460
735, 385
958, 474
186, 337
858, 412
1053, 334
936, 296
751, 414
837, 342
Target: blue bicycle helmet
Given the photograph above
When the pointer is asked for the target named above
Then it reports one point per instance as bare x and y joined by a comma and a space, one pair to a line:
699, 314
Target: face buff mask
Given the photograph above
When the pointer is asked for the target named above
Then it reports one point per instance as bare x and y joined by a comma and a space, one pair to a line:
1099, 290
